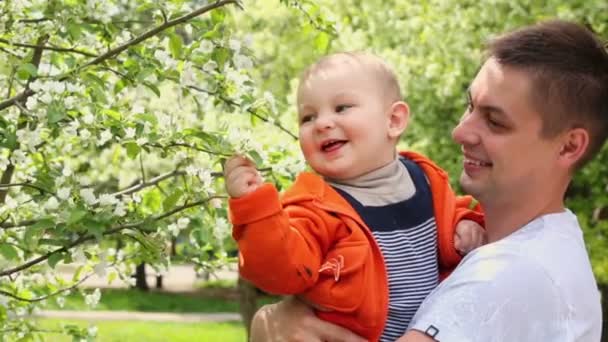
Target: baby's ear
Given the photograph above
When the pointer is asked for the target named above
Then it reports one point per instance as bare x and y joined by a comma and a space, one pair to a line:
399, 117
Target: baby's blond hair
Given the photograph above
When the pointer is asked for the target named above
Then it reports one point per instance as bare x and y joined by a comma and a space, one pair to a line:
366, 62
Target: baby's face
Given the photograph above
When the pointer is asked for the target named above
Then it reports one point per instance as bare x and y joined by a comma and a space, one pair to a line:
344, 120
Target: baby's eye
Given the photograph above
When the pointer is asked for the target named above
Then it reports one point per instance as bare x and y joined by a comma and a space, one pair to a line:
341, 108
306, 118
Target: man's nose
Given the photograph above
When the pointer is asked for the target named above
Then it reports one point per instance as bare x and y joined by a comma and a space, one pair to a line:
465, 133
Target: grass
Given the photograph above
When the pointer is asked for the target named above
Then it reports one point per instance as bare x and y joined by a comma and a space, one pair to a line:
202, 301
115, 331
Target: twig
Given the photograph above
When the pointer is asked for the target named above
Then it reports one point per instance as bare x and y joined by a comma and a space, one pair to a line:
48, 47
85, 238
190, 146
249, 110
41, 298
28, 185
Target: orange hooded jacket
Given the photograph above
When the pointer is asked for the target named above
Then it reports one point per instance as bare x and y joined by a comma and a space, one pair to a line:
311, 242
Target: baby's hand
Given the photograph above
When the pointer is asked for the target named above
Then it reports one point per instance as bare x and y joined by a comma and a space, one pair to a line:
241, 176
469, 235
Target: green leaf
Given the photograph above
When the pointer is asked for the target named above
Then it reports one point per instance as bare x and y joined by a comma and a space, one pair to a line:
218, 16
55, 113
76, 215
43, 224
256, 157
152, 87
176, 45
76, 276
132, 149
113, 114
322, 42
170, 201
54, 259
74, 30
26, 71
8, 251
152, 200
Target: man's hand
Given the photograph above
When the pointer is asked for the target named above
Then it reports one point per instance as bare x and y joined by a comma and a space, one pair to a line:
469, 235
241, 177
293, 321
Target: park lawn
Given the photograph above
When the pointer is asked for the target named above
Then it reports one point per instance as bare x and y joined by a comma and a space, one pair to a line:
202, 301
120, 331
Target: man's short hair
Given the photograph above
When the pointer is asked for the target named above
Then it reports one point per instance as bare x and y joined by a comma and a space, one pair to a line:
569, 70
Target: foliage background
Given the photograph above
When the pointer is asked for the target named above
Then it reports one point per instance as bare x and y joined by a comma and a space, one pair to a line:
104, 160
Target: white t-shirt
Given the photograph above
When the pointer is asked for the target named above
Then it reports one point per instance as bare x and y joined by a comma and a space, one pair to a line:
534, 285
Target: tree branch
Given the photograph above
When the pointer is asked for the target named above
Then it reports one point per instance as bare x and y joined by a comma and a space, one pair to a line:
28, 92
157, 30
192, 147
41, 298
48, 47
28, 185
249, 110
149, 183
85, 238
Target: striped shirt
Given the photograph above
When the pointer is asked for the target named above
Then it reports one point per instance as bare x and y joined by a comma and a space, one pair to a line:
406, 233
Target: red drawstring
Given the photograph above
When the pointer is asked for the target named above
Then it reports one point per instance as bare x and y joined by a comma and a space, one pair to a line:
335, 264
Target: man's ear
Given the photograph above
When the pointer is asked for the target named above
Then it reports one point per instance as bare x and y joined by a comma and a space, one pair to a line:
574, 145
399, 117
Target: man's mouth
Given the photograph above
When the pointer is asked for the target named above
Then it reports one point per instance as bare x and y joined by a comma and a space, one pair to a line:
476, 162
332, 145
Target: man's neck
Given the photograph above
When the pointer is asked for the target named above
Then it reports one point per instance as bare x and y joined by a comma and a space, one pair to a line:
503, 219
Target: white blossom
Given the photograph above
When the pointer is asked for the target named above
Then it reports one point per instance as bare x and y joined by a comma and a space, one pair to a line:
216, 203
120, 209
31, 103
173, 229
100, 268
79, 256
104, 137
205, 47
3, 163
234, 45
85, 134
93, 299
63, 193
51, 204
66, 171
130, 132
242, 61
221, 229
69, 102
88, 196
60, 301
107, 199
210, 66
92, 331
88, 118
183, 222
141, 141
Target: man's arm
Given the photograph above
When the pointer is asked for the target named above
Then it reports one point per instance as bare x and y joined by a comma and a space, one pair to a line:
292, 320
415, 336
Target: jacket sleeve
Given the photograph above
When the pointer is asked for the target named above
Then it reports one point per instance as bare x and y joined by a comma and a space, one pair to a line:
280, 249
453, 210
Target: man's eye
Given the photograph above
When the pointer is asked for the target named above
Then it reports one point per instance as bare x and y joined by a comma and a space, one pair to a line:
494, 123
341, 108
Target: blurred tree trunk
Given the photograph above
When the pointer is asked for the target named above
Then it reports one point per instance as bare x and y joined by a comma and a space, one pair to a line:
604, 294
140, 277
247, 302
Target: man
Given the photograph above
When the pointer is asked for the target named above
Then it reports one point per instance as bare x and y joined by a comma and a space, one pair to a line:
538, 112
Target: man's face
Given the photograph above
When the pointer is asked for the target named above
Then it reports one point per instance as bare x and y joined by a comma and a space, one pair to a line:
505, 157
344, 123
